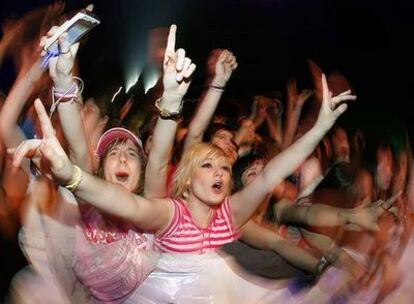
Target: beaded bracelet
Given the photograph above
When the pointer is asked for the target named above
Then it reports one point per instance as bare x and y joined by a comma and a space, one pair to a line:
165, 114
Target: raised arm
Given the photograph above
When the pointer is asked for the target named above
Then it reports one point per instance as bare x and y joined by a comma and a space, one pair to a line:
15, 182
14, 104
274, 122
295, 102
224, 66
146, 214
68, 101
178, 70
245, 202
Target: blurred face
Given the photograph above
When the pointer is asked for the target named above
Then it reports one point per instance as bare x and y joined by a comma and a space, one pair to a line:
92, 118
384, 168
122, 165
210, 181
251, 172
224, 139
266, 105
340, 145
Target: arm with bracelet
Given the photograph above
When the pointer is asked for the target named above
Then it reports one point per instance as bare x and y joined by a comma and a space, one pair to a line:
178, 70
67, 98
15, 182
222, 63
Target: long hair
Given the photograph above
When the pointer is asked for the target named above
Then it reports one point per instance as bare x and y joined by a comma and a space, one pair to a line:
100, 172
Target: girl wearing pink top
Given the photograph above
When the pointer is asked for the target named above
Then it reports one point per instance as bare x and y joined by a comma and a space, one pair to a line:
201, 207
112, 257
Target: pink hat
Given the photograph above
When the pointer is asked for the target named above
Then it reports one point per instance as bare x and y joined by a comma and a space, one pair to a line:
113, 134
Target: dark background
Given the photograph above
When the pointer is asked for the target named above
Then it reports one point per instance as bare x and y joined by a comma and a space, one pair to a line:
369, 42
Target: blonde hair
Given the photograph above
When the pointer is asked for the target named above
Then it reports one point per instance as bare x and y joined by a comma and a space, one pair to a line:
192, 159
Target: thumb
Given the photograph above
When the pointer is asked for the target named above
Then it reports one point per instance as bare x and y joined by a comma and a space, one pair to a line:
49, 154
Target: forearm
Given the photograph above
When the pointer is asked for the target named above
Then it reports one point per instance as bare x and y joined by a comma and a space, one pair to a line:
104, 196
314, 215
74, 131
291, 125
295, 255
15, 102
203, 116
265, 239
333, 253
275, 129
113, 199
156, 172
290, 159
246, 201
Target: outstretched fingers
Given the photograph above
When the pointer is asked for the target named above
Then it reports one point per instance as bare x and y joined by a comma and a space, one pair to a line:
341, 98
27, 149
325, 89
45, 123
339, 110
170, 48
189, 71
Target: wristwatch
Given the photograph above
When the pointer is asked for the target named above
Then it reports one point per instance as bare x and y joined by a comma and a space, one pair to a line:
322, 265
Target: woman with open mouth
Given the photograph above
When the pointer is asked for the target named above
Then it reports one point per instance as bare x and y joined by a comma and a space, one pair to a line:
201, 215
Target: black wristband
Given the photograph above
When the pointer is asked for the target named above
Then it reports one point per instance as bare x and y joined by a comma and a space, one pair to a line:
218, 88
322, 265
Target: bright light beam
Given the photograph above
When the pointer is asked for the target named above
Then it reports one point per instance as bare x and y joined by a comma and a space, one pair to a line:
151, 79
116, 94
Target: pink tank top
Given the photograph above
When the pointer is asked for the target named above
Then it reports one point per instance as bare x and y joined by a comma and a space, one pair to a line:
184, 236
112, 260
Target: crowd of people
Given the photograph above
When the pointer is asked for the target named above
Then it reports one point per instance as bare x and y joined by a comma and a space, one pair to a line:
274, 204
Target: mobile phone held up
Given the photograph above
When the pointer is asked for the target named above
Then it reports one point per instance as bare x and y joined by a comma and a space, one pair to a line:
76, 27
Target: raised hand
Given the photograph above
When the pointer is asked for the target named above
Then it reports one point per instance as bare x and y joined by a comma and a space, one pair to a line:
61, 66
332, 107
178, 69
368, 217
48, 149
295, 99
225, 65
246, 133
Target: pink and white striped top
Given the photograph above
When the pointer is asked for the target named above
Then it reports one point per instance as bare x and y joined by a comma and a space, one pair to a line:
184, 236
